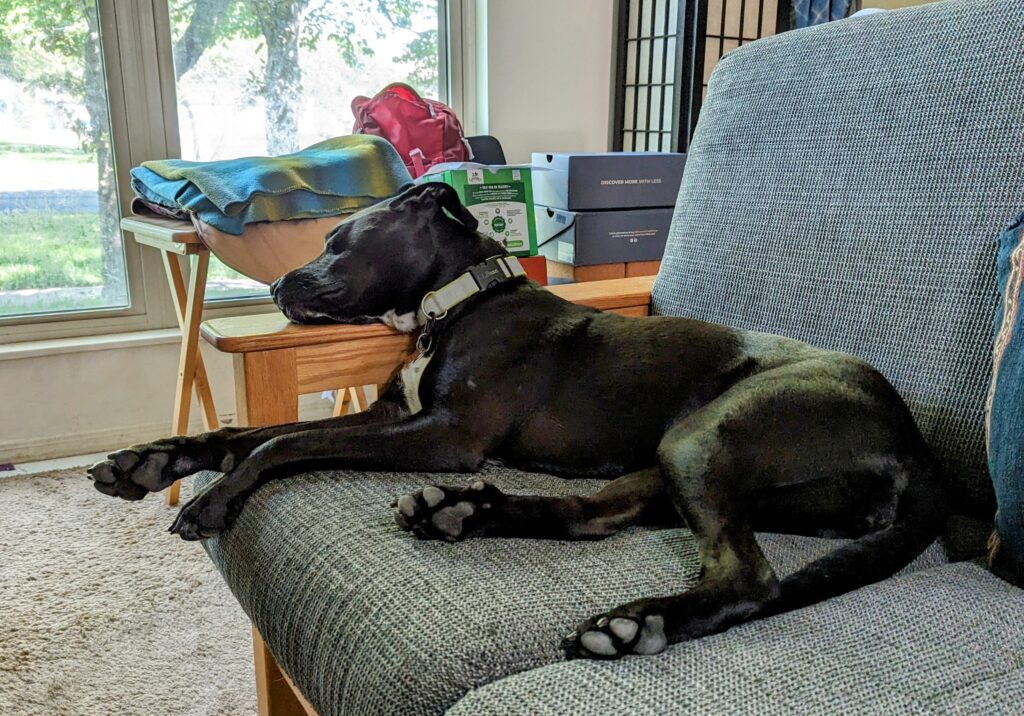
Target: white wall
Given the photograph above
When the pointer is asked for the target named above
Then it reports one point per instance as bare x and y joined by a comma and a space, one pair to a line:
91, 398
546, 69
88, 398
548, 75
70, 400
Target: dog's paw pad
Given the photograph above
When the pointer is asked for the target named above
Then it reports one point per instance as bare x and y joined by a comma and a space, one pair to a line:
448, 513
432, 496
624, 629
125, 459
609, 637
407, 505
132, 473
652, 637
448, 520
598, 643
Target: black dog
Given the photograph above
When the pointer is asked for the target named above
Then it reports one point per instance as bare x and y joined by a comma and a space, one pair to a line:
738, 431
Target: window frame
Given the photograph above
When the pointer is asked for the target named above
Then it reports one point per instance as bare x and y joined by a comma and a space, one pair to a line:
135, 40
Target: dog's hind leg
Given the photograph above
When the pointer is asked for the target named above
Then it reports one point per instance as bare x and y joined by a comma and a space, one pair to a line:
795, 425
481, 509
736, 578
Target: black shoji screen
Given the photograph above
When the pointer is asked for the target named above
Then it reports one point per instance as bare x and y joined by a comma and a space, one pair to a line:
665, 53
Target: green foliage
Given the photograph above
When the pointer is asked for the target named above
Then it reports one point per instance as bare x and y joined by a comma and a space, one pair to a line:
246, 19
48, 251
49, 44
43, 45
56, 27
421, 53
339, 22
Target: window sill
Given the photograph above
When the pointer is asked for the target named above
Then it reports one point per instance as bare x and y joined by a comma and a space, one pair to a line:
86, 344
32, 332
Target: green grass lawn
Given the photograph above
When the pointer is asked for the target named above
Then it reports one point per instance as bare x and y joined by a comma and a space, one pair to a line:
49, 251
47, 153
57, 251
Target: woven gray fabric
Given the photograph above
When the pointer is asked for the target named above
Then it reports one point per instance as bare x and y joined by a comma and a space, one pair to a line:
369, 620
948, 640
845, 187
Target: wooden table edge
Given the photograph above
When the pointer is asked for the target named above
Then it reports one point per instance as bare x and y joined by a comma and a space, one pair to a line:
271, 331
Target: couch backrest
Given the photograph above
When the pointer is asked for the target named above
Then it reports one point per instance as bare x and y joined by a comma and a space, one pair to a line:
846, 186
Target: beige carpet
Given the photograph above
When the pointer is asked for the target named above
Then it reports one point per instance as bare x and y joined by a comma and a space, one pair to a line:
103, 612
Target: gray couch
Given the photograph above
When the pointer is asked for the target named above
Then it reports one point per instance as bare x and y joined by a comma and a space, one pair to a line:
845, 187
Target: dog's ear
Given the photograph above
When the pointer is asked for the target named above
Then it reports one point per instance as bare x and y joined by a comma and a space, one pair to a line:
440, 197
449, 200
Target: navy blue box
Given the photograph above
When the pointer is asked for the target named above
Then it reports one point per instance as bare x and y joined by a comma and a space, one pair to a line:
607, 180
586, 238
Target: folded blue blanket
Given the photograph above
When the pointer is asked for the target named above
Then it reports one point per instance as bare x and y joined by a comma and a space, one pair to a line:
336, 176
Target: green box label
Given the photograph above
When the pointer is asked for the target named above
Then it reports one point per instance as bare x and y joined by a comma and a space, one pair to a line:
502, 202
486, 193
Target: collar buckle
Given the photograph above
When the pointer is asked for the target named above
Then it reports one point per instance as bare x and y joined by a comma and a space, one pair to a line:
490, 273
476, 279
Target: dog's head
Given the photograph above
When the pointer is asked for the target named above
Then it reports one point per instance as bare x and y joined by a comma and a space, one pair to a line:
377, 265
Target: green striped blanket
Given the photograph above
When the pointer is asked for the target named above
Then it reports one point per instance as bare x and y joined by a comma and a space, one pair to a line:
336, 176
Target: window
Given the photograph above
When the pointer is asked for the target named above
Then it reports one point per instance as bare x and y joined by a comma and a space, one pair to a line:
89, 89
59, 210
286, 72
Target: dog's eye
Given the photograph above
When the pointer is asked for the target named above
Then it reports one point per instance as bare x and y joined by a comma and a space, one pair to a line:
336, 242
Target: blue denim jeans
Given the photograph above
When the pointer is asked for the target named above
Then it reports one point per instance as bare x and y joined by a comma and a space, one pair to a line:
1006, 410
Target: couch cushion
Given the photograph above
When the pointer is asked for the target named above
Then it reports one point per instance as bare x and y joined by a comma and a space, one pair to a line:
369, 620
845, 187
948, 640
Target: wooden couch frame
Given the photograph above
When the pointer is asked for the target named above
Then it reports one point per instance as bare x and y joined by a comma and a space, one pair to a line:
276, 361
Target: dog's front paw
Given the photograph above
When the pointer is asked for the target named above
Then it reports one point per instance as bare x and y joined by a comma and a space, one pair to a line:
205, 515
621, 632
134, 472
448, 513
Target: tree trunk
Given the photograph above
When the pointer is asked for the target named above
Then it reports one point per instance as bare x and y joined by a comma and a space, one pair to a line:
200, 33
115, 290
282, 83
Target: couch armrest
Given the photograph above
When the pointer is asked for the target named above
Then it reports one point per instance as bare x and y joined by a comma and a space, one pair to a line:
269, 331
276, 360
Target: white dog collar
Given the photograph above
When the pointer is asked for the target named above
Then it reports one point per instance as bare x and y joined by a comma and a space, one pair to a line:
482, 276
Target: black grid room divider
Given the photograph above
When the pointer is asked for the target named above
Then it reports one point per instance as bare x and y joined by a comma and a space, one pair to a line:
665, 53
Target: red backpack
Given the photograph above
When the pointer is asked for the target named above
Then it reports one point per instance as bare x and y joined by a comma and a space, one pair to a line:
424, 131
